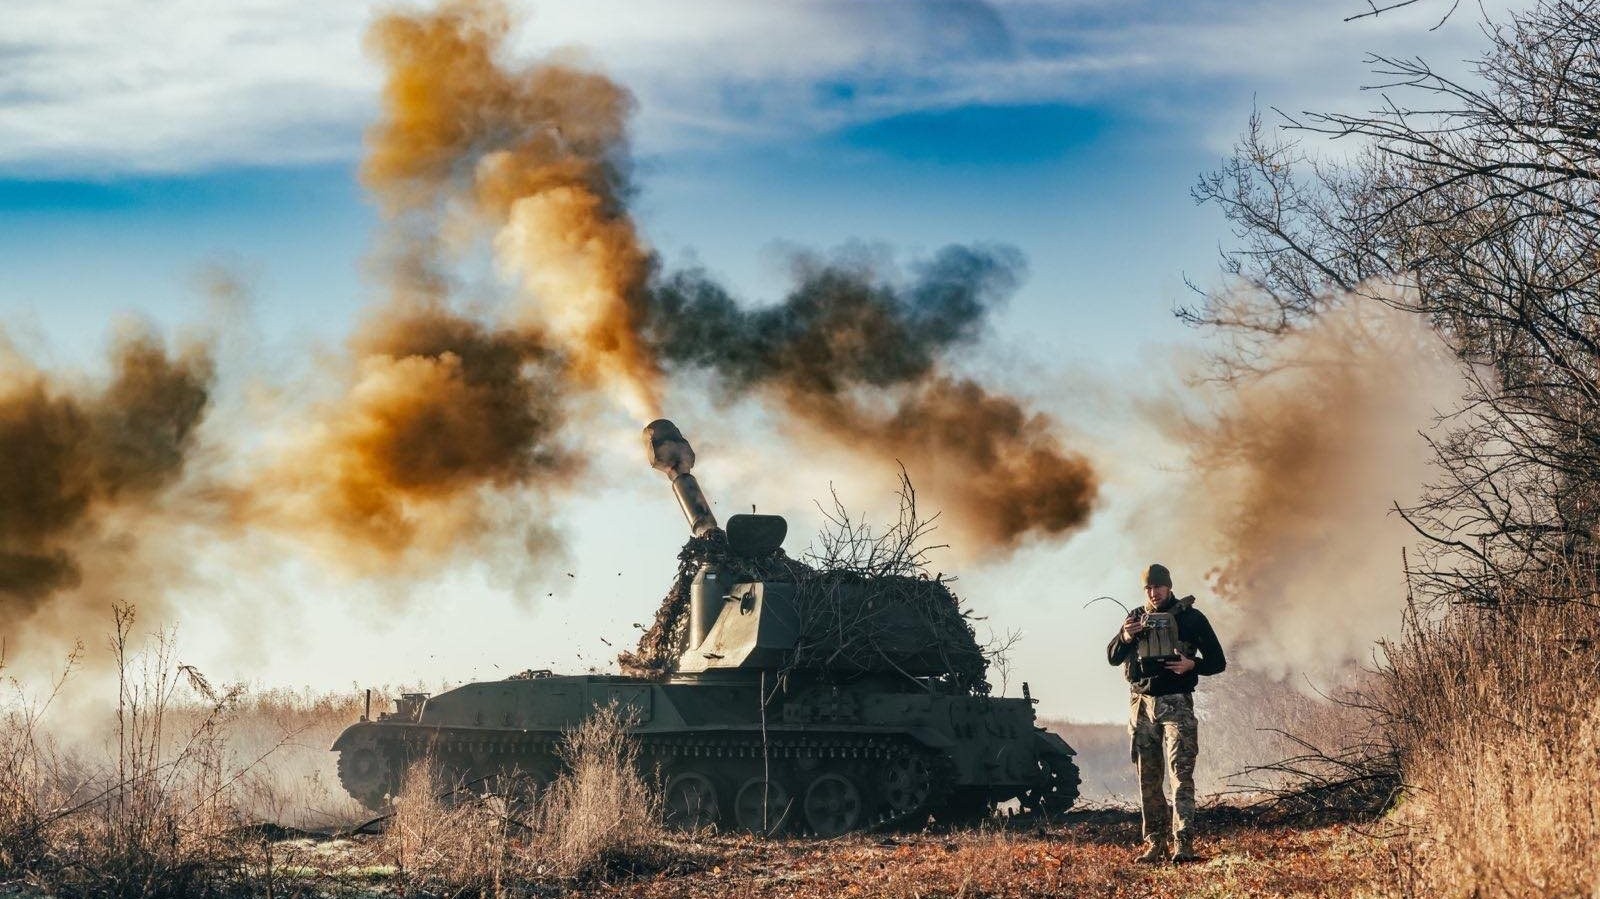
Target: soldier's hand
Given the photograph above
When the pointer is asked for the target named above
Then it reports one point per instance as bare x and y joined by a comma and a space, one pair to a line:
1132, 628
1181, 665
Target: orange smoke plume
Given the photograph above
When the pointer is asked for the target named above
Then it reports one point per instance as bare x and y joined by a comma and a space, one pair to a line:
438, 409
539, 156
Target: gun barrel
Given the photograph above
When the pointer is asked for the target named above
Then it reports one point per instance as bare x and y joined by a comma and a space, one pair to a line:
669, 452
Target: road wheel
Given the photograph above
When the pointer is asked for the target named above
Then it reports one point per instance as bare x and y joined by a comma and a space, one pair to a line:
832, 805
762, 807
690, 801
907, 783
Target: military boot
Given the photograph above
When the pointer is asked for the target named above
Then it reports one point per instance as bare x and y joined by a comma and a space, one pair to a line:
1155, 852
1184, 852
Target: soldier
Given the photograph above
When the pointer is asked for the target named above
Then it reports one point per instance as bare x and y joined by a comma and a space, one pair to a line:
1161, 722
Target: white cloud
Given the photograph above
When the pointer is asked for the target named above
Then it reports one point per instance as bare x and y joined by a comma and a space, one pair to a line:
177, 84
171, 85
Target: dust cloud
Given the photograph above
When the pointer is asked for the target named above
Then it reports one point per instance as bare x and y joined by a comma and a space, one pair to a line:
1292, 472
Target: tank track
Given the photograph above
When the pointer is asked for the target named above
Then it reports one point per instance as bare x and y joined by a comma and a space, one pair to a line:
799, 761
890, 780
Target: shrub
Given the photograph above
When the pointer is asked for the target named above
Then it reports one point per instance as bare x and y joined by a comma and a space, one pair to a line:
1493, 717
599, 814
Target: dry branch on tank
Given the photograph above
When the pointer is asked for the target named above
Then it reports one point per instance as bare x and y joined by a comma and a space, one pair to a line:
864, 600
848, 543
851, 624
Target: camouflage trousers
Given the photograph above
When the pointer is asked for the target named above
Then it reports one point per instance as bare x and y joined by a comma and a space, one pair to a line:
1166, 740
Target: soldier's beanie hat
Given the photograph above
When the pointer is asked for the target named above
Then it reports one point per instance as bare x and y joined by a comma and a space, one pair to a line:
1157, 575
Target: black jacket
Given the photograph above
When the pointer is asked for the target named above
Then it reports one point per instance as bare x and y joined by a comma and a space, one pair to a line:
1195, 638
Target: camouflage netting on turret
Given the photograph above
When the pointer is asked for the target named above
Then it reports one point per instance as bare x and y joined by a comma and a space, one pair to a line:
668, 636
851, 624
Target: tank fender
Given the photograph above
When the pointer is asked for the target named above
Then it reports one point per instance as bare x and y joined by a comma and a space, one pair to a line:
355, 733
931, 738
1050, 743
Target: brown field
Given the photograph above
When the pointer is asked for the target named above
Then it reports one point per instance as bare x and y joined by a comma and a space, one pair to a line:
1089, 854
191, 790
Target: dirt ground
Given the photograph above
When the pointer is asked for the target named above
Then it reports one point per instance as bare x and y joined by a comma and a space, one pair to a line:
1088, 854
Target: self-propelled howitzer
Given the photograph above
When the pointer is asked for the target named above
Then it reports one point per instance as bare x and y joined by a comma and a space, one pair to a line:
791, 699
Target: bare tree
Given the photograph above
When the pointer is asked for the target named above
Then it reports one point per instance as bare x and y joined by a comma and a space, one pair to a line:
1480, 198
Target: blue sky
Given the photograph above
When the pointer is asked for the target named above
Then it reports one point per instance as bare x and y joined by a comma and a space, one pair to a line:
144, 145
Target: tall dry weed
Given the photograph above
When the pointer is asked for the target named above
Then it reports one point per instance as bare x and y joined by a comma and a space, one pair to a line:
1493, 715
159, 808
600, 813
29, 782
603, 805
439, 844
159, 820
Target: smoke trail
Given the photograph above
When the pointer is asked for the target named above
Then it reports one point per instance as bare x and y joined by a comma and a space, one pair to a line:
1285, 505
539, 156
998, 471
78, 456
860, 360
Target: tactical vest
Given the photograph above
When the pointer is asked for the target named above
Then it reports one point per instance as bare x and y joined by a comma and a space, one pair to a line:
1161, 642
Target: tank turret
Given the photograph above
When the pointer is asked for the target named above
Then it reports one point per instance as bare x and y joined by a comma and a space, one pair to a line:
751, 608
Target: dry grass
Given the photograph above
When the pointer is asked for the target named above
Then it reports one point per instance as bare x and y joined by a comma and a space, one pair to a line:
153, 820
1494, 717
156, 797
600, 815
467, 849
187, 788
601, 809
